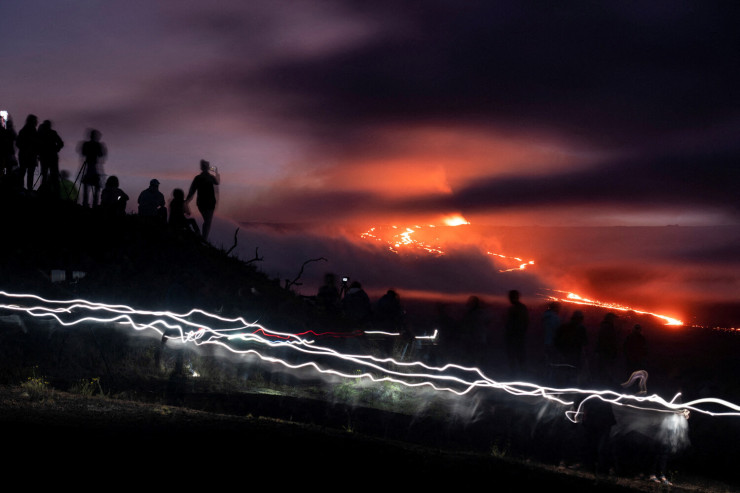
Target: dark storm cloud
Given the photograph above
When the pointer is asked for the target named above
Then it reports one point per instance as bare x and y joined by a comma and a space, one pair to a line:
707, 180
612, 72
703, 181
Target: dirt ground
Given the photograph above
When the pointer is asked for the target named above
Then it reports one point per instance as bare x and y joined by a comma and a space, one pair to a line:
76, 440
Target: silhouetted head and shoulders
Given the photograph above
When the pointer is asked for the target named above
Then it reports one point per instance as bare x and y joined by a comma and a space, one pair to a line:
517, 316
112, 198
92, 150
49, 140
204, 185
151, 200
26, 141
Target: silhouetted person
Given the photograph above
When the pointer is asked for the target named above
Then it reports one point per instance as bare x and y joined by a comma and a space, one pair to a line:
180, 215
474, 331
356, 304
671, 438
389, 316
389, 311
113, 200
607, 348
204, 184
550, 323
27, 143
515, 332
7, 146
570, 340
635, 349
93, 154
49, 146
328, 296
151, 202
67, 189
597, 419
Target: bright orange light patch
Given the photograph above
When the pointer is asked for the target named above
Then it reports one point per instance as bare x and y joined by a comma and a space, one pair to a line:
574, 298
455, 220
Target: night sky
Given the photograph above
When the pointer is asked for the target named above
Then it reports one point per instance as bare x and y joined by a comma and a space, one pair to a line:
330, 117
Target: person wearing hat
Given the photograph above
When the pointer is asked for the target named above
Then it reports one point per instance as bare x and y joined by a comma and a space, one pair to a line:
151, 202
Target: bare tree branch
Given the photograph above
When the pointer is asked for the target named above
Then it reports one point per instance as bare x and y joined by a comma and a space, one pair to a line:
257, 257
234, 245
294, 282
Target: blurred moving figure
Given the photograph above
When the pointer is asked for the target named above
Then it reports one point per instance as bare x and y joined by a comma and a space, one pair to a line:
67, 189
550, 324
570, 341
635, 349
93, 153
517, 322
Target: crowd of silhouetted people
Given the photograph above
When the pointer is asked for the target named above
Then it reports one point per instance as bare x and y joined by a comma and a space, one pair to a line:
29, 166
548, 347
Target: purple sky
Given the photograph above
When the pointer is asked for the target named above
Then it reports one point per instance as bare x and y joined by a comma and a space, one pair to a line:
351, 114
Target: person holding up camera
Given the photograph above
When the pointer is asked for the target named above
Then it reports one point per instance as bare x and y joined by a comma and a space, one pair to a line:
204, 184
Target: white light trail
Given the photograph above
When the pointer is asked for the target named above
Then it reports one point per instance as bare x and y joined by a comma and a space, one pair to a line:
199, 327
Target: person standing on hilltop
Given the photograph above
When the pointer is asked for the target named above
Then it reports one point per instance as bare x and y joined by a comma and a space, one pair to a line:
204, 184
27, 143
49, 146
93, 153
151, 203
7, 145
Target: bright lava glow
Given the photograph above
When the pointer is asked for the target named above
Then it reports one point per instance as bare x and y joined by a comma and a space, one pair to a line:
574, 298
404, 239
522, 264
455, 220
202, 328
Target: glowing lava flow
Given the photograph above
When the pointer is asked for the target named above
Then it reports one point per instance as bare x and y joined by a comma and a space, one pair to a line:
404, 239
523, 264
574, 298
240, 337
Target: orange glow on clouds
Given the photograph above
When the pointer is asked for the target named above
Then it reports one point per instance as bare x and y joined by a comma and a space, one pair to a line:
402, 161
466, 153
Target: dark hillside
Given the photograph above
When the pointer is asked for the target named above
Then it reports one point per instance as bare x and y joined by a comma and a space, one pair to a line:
121, 398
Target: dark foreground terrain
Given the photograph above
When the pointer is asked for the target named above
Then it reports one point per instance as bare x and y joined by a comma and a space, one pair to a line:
143, 425
67, 439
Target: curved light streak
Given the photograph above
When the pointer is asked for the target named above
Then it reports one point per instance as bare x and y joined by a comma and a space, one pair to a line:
199, 327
